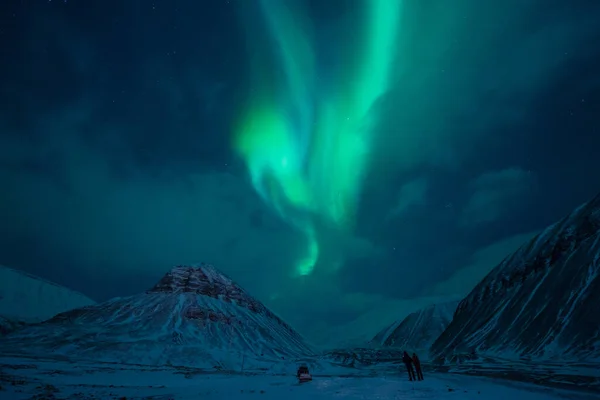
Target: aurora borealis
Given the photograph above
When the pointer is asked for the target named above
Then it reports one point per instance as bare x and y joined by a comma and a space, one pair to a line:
306, 147
338, 159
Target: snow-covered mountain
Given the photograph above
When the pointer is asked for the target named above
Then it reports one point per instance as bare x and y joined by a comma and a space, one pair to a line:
195, 316
382, 335
539, 305
28, 298
417, 331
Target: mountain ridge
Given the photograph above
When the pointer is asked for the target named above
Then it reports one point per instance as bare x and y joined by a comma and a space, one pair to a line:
418, 330
538, 303
194, 315
27, 298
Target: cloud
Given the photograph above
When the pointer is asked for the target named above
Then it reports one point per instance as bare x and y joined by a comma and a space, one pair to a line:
330, 314
468, 80
496, 193
73, 217
379, 311
410, 194
382, 312
77, 209
463, 280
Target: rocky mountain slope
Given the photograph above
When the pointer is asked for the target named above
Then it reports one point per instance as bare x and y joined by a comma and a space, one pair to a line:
26, 298
540, 305
418, 331
381, 336
194, 316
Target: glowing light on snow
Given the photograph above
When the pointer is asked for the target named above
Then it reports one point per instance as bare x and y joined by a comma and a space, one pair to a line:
307, 148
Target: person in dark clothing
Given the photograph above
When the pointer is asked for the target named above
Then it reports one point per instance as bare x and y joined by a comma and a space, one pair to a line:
409, 366
417, 363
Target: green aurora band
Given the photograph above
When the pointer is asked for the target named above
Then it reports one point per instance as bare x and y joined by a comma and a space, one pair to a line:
307, 152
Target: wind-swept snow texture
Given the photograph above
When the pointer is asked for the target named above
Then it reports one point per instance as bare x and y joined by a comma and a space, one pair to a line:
26, 379
541, 304
362, 356
418, 331
28, 298
194, 316
8, 325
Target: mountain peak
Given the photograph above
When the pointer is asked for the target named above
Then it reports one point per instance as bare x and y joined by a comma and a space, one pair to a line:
206, 280
195, 315
201, 279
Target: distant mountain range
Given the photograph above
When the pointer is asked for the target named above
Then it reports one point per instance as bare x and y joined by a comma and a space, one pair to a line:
195, 316
25, 298
417, 331
534, 317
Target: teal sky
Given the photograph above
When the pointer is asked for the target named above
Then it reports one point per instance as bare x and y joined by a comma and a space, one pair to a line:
346, 162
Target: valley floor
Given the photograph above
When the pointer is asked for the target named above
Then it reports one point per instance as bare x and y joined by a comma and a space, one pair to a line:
34, 379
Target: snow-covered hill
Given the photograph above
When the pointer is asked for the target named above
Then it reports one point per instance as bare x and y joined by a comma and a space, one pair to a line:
417, 331
540, 305
28, 298
194, 316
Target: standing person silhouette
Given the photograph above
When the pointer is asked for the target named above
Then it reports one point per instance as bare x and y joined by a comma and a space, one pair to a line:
408, 362
417, 363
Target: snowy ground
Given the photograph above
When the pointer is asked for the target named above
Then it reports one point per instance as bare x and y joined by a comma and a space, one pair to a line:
34, 379
564, 374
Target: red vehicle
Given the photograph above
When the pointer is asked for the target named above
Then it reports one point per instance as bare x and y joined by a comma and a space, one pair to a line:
303, 375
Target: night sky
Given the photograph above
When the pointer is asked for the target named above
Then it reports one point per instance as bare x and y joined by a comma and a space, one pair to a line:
138, 135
